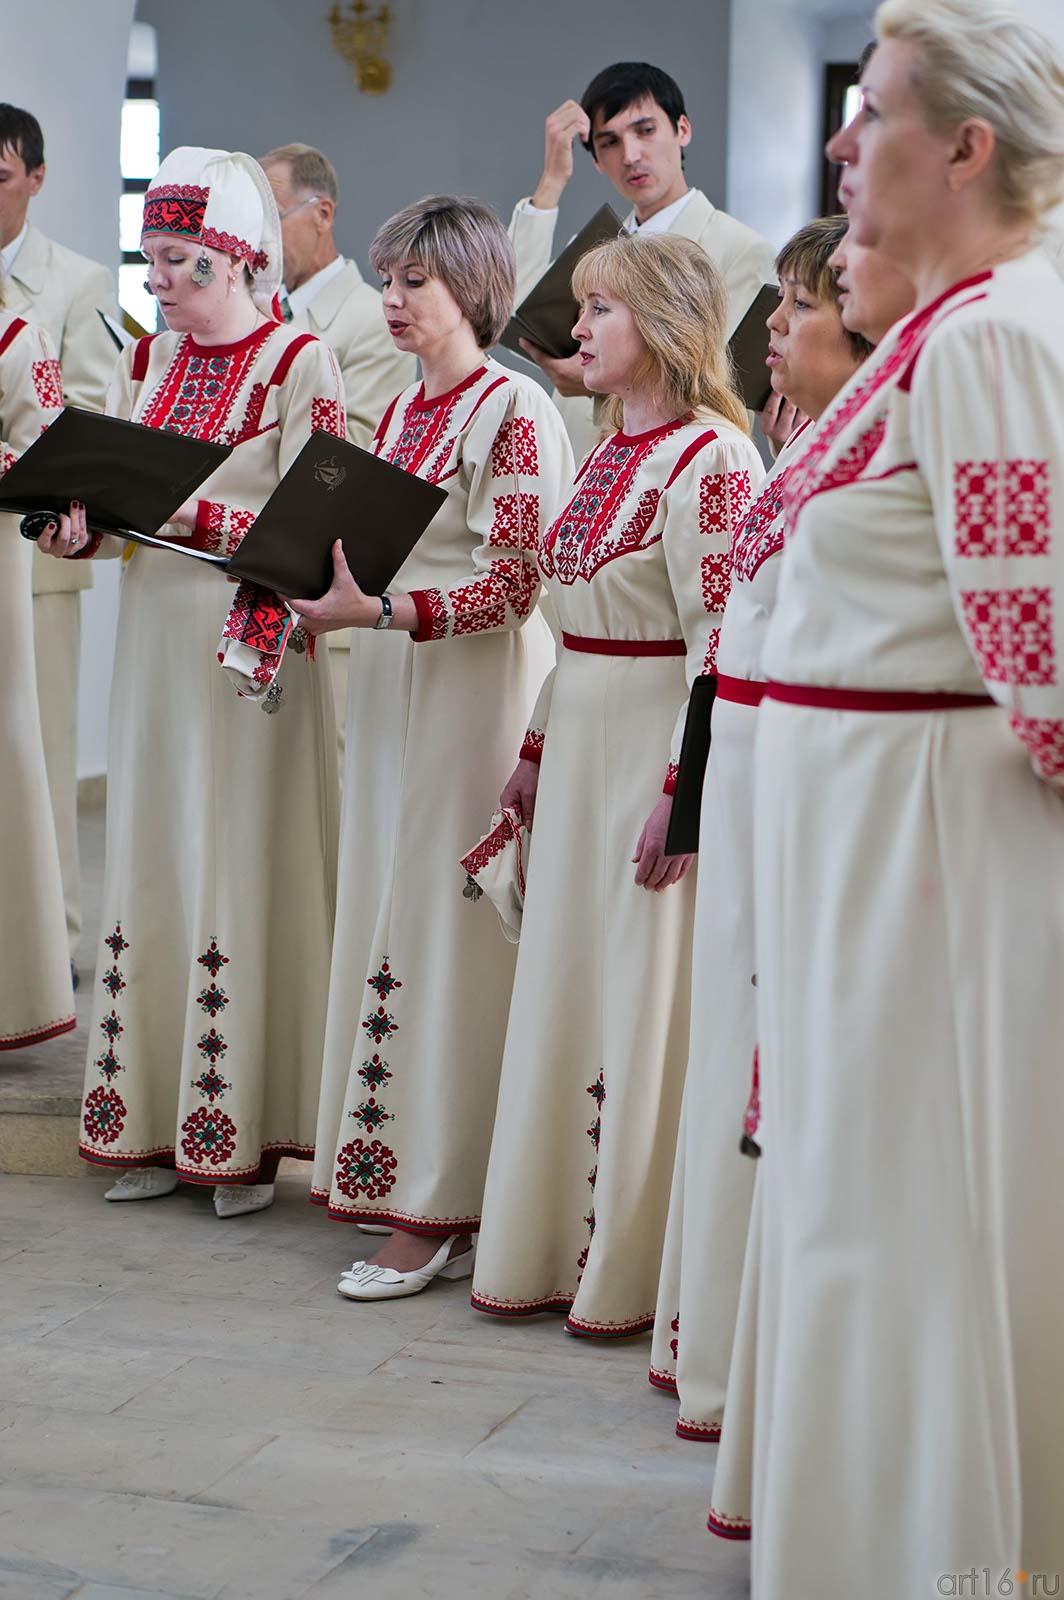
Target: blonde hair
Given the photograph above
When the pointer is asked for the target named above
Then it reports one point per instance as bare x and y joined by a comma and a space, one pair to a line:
679, 303
982, 59
463, 243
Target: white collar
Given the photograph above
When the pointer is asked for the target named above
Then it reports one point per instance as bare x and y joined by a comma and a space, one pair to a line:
10, 251
661, 221
299, 299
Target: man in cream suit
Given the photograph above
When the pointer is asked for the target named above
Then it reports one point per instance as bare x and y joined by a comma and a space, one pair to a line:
632, 122
329, 297
62, 292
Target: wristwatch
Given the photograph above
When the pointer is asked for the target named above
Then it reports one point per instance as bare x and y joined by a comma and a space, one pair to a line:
385, 618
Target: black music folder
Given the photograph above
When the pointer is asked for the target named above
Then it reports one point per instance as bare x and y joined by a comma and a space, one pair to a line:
130, 478
748, 347
336, 490
546, 315
682, 837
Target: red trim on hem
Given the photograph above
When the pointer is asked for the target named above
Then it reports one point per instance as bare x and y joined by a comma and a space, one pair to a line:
166, 1157
12, 332
406, 1224
740, 691
698, 1432
623, 647
825, 699
602, 1330
521, 1308
727, 1527
688, 455
19, 1041
665, 1381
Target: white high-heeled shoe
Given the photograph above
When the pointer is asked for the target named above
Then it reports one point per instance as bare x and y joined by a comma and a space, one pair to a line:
367, 1282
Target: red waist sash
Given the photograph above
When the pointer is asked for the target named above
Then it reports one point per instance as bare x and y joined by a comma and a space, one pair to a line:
806, 694
743, 691
624, 647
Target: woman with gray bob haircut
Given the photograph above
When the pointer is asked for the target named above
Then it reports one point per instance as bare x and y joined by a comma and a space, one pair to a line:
438, 703
909, 826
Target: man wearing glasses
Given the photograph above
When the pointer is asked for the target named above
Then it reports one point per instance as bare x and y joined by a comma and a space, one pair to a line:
328, 296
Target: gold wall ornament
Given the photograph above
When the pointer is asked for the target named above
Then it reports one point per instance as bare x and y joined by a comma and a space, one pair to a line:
361, 37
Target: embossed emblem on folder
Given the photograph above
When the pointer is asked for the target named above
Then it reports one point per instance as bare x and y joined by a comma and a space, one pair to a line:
330, 472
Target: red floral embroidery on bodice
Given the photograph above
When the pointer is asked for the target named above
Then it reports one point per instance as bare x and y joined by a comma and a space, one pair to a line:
582, 540
425, 428
199, 388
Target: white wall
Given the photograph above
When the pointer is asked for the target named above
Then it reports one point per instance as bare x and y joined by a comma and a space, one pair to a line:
74, 87
473, 83
779, 49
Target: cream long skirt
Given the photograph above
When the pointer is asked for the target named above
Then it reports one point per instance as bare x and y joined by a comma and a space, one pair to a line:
910, 1366
712, 1182
596, 1049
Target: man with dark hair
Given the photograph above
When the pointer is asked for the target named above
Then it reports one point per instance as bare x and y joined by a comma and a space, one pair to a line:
329, 297
632, 121
62, 292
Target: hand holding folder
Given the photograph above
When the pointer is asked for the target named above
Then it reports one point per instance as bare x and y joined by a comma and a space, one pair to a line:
132, 479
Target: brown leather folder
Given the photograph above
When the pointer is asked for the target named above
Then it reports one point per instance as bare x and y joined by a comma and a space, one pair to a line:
130, 478
682, 837
748, 348
547, 313
335, 490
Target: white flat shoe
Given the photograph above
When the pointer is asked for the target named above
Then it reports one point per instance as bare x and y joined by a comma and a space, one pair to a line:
371, 1227
143, 1183
365, 1282
237, 1199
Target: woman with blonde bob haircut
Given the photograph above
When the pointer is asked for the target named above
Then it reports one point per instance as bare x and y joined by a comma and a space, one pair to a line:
420, 986
637, 566
909, 845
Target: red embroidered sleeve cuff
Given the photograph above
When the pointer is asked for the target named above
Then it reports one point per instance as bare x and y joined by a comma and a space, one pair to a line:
431, 615
219, 528
669, 786
532, 749
95, 541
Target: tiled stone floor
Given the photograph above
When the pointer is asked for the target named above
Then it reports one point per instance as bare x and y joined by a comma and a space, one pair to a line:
188, 1411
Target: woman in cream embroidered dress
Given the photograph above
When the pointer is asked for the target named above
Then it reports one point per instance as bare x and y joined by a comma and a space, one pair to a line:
811, 357
36, 998
909, 856
637, 566
872, 295
205, 1040
420, 982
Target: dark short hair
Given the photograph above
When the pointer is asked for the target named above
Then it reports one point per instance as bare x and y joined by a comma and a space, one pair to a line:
21, 132
806, 257
624, 84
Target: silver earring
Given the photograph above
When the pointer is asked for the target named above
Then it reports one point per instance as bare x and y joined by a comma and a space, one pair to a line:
203, 272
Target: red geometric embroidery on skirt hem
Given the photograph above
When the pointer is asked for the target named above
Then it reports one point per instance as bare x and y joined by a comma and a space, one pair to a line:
727, 1527
608, 1330
17, 1041
403, 1219
520, 1308
701, 1432
662, 1380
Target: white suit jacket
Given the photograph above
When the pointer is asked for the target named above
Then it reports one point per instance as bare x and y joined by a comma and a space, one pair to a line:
744, 258
62, 292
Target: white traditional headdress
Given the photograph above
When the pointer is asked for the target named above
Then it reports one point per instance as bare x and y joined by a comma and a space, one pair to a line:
221, 199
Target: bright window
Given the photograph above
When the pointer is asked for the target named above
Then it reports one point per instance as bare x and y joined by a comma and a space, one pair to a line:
140, 138
139, 156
